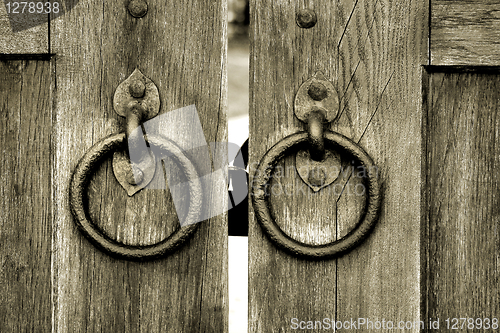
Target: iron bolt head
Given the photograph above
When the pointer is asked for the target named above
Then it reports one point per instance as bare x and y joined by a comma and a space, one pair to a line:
317, 176
135, 176
317, 91
137, 89
137, 8
306, 18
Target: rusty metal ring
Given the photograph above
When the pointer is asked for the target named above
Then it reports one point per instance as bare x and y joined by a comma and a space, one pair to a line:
77, 191
261, 180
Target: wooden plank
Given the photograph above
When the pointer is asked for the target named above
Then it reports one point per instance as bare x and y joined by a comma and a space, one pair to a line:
14, 39
465, 32
462, 273
379, 280
26, 196
282, 57
98, 45
372, 51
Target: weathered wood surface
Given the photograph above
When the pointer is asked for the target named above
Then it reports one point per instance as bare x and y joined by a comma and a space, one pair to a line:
381, 79
465, 32
34, 40
26, 196
372, 52
181, 47
462, 271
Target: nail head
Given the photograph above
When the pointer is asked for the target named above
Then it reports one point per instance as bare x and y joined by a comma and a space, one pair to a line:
137, 89
306, 18
317, 91
317, 176
137, 8
135, 177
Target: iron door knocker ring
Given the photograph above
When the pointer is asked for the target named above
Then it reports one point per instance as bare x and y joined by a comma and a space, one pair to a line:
261, 180
78, 186
315, 111
142, 102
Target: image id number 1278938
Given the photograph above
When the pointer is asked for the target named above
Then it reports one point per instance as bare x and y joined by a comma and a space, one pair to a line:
32, 7
471, 323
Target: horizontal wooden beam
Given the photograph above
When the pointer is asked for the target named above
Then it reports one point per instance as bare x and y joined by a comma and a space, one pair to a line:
16, 40
465, 32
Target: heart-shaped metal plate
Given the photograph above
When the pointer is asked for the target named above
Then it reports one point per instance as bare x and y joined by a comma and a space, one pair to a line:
133, 177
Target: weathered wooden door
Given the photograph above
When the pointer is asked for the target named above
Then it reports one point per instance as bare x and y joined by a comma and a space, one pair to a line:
420, 95
58, 81
417, 87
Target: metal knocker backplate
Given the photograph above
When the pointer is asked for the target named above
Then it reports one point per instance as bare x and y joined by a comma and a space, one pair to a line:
262, 177
78, 189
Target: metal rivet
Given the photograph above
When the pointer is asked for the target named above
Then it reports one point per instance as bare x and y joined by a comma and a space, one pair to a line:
317, 91
135, 176
317, 176
306, 18
137, 8
137, 89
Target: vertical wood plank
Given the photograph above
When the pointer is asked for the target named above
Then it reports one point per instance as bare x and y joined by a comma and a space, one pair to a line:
282, 57
462, 205
26, 196
380, 279
372, 51
181, 47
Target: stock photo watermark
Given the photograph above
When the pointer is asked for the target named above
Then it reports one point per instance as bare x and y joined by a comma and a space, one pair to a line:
401, 325
213, 159
347, 180
28, 14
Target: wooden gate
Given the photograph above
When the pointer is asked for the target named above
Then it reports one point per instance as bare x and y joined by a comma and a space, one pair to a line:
56, 107
417, 89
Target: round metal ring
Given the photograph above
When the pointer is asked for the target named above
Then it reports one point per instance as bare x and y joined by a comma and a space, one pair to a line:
261, 180
81, 178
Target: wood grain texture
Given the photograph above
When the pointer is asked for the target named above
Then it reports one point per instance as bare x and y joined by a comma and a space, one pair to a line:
34, 40
282, 57
26, 196
372, 51
465, 32
181, 47
463, 122
381, 54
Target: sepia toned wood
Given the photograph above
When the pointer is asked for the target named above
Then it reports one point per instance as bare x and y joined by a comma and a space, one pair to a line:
372, 52
462, 270
381, 53
181, 47
282, 57
26, 196
465, 32
34, 40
